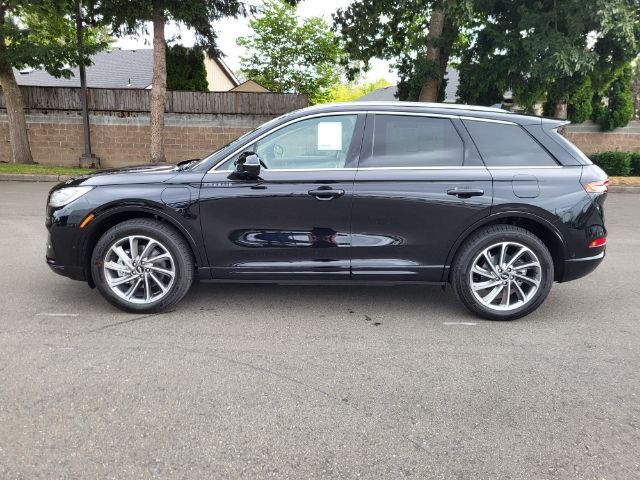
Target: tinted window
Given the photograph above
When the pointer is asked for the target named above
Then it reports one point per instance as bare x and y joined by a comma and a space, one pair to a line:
503, 145
314, 143
413, 141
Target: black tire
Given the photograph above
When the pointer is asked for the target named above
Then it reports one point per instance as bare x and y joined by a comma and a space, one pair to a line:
170, 238
474, 246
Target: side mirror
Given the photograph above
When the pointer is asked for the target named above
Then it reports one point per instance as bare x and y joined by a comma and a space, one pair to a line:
248, 163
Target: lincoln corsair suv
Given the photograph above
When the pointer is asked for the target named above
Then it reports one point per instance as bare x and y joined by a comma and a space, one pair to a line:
496, 204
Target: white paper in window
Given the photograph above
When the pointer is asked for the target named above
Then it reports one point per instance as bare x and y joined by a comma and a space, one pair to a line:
330, 136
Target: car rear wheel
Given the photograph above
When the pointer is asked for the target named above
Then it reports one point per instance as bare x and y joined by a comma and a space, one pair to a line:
503, 272
142, 265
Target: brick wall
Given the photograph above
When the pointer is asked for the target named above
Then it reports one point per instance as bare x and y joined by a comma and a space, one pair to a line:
588, 137
123, 139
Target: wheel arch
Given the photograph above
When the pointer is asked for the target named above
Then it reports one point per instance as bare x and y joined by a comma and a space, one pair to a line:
109, 218
546, 231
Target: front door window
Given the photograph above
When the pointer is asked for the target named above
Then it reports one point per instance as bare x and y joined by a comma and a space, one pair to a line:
311, 144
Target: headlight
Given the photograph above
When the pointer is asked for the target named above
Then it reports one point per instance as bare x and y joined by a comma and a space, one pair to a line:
66, 195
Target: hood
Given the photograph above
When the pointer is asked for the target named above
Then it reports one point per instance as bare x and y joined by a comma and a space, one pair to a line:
148, 173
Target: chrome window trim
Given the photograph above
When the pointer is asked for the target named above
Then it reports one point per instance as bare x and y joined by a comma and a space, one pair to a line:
518, 167
489, 120
362, 112
461, 167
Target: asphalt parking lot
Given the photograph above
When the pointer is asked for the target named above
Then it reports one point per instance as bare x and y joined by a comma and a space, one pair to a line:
315, 382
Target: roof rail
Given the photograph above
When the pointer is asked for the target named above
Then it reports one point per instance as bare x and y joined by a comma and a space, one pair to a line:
452, 106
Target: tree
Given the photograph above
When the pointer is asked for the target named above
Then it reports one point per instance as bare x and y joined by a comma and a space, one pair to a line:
37, 34
635, 89
186, 69
616, 108
285, 54
346, 92
129, 17
417, 36
546, 48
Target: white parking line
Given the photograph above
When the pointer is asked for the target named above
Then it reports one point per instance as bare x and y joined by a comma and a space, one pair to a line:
459, 323
45, 314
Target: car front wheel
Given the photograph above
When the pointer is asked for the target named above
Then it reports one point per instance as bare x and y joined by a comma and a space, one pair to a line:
503, 272
142, 265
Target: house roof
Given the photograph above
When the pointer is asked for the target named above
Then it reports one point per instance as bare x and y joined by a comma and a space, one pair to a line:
249, 86
388, 94
114, 69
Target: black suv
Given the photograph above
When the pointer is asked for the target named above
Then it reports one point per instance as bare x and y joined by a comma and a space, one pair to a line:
498, 205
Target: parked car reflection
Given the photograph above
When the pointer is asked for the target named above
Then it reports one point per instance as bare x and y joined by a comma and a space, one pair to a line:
317, 237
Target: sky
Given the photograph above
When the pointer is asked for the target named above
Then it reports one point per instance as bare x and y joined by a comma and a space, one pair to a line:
230, 29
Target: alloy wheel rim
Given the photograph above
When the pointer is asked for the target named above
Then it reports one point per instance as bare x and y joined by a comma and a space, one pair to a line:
505, 276
139, 269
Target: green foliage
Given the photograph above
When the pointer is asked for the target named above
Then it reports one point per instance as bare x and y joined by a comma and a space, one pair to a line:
580, 105
129, 17
617, 109
186, 70
635, 164
396, 30
346, 92
614, 163
37, 169
287, 55
43, 34
542, 49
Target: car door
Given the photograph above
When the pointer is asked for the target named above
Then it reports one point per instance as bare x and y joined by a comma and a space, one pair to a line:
420, 183
293, 222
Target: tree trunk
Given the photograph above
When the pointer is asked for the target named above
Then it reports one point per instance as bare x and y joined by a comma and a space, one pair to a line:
449, 35
18, 136
429, 92
560, 109
159, 84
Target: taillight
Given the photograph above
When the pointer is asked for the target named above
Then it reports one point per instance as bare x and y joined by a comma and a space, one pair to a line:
601, 186
598, 242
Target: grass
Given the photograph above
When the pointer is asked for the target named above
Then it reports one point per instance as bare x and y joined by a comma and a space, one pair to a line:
42, 169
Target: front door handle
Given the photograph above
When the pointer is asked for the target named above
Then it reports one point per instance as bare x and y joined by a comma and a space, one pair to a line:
466, 192
326, 193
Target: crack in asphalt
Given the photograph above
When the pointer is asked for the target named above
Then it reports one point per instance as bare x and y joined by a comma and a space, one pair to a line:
124, 322
337, 399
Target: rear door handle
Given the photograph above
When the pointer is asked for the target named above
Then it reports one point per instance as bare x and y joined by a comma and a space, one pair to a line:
327, 193
466, 192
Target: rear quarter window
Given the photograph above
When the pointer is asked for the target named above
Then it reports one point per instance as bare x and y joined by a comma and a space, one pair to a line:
506, 145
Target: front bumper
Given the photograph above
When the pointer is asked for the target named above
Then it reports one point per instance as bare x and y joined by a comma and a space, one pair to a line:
73, 272
579, 267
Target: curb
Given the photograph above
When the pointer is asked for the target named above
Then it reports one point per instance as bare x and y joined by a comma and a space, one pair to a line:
32, 177
624, 188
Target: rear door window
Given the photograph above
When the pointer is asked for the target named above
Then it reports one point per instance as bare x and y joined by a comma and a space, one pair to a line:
414, 141
506, 145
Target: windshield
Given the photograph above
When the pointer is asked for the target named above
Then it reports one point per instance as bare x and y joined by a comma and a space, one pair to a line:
228, 148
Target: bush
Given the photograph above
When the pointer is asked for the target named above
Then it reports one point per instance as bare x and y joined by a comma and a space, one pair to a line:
618, 111
616, 164
635, 164
580, 106
185, 69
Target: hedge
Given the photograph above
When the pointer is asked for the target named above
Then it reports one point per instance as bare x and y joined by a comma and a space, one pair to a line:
617, 163
635, 164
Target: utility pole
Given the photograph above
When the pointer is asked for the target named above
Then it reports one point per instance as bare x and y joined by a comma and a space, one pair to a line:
87, 159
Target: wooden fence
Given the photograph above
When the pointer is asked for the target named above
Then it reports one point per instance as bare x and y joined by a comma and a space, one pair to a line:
131, 100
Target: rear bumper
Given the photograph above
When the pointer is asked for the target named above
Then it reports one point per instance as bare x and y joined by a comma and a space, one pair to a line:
580, 267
